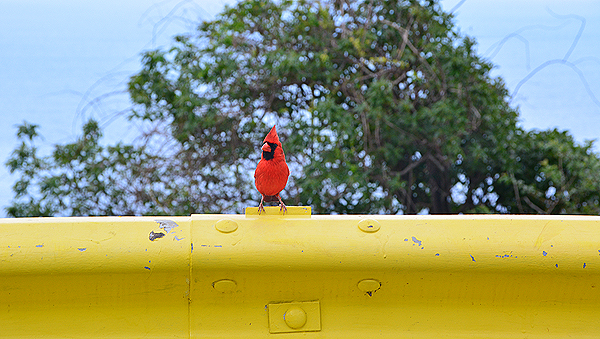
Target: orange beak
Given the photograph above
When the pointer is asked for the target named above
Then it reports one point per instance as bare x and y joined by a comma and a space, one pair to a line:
266, 147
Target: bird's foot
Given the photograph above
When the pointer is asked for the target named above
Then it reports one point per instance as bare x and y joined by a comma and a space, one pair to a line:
282, 207
260, 206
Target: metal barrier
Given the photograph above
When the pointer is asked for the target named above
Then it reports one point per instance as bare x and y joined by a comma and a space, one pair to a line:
300, 275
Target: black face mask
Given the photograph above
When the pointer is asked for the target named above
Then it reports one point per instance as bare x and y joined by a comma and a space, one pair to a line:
270, 155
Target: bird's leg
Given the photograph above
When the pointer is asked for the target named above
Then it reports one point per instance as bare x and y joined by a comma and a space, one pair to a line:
260, 206
281, 205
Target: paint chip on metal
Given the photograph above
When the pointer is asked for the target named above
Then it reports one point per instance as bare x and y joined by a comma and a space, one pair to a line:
153, 236
417, 241
166, 225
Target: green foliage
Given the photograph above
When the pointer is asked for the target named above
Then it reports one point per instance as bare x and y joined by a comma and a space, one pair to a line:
377, 102
553, 175
382, 107
81, 178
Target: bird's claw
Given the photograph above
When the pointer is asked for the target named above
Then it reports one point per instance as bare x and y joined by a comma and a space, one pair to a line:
261, 207
282, 207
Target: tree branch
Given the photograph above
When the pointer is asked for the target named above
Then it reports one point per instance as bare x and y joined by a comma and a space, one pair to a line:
404, 32
517, 195
532, 205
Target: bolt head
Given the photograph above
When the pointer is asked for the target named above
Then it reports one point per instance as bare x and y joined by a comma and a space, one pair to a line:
369, 225
226, 226
295, 317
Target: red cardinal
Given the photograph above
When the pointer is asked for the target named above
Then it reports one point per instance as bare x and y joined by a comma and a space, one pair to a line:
272, 172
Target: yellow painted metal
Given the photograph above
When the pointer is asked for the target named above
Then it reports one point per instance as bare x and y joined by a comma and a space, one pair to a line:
93, 278
220, 276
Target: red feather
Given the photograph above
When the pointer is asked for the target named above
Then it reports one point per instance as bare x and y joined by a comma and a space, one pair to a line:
272, 172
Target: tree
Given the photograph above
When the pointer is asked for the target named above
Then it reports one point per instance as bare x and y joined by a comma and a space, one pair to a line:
383, 107
83, 178
554, 176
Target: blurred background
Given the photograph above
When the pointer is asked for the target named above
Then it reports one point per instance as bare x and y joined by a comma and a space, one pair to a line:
63, 62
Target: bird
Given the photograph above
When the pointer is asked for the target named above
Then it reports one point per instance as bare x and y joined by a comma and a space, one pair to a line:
272, 171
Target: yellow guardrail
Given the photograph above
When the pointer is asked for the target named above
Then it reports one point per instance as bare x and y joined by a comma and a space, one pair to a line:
302, 275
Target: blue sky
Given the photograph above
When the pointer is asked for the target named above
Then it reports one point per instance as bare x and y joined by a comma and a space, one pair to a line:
548, 52
62, 62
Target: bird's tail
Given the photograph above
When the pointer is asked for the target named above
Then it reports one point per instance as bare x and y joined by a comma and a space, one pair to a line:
271, 198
